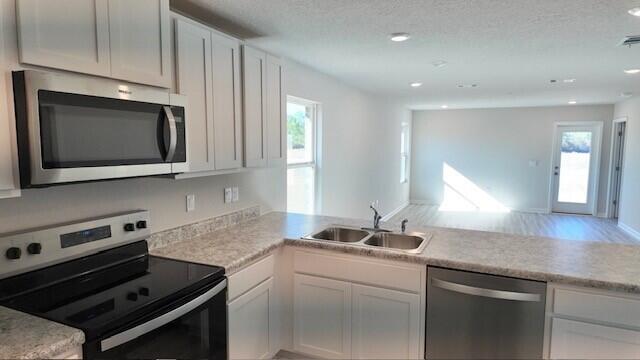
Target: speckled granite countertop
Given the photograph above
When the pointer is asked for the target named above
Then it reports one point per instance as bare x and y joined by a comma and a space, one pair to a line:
23, 336
591, 264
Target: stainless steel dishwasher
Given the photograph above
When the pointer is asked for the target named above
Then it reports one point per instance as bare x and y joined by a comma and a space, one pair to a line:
479, 316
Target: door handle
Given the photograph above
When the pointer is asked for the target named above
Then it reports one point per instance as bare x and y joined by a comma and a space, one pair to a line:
173, 133
490, 293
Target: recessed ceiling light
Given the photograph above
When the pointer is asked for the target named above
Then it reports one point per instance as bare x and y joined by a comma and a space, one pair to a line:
635, 11
415, 84
467, 86
572, 102
445, 106
626, 94
568, 81
399, 37
632, 71
439, 63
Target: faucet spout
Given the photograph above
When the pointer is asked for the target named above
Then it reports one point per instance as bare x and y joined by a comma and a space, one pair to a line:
376, 217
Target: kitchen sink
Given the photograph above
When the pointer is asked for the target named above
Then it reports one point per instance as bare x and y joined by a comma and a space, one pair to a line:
413, 243
340, 234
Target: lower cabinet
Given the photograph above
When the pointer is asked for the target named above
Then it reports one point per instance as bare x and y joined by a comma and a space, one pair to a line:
322, 317
385, 324
339, 319
581, 340
251, 322
586, 323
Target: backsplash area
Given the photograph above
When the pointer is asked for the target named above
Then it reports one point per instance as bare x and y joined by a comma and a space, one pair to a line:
189, 231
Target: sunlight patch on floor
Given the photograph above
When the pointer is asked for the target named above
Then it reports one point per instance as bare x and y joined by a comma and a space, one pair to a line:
462, 195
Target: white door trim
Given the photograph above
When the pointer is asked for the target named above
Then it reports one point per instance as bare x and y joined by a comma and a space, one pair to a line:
612, 157
596, 154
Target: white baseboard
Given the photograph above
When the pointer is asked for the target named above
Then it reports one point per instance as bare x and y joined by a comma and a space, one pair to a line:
527, 210
629, 230
421, 202
394, 212
602, 215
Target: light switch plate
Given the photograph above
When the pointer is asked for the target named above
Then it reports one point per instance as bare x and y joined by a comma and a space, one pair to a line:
191, 202
228, 195
236, 194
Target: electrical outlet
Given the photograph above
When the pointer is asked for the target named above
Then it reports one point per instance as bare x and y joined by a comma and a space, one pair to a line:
228, 195
191, 202
236, 194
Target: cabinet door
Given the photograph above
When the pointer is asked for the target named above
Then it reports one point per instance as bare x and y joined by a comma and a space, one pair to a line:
276, 108
193, 79
386, 324
227, 113
322, 317
254, 87
252, 323
140, 41
578, 340
65, 34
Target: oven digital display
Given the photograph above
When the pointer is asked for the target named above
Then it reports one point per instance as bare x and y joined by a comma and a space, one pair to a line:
85, 236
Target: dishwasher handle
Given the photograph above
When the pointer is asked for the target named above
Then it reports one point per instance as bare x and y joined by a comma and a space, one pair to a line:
490, 293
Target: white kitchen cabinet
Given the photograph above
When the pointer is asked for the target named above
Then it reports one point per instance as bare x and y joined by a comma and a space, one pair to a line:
581, 340
322, 317
208, 72
276, 113
122, 39
194, 80
9, 182
65, 34
255, 105
139, 38
227, 102
386, 324
251, 323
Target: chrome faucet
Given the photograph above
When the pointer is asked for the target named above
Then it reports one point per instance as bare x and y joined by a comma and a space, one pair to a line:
376, 218
403, 225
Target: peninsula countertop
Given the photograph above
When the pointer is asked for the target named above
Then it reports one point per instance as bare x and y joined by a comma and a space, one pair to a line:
592, 264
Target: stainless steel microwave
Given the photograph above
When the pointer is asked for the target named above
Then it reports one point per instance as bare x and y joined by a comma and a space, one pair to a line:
72, 128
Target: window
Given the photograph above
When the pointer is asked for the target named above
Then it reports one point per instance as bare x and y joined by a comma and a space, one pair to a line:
404, 153
301, 155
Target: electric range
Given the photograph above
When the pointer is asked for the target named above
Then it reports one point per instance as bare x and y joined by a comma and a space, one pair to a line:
97, 276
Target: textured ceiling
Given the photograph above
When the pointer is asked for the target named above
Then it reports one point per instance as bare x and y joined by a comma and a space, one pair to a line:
510, 48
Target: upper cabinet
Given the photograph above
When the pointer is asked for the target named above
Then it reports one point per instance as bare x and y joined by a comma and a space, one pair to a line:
127, 40
139, 37
263, 109
276, 113
208, 72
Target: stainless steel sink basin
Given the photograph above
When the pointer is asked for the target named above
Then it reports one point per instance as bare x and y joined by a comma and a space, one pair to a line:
340, 234
413, 242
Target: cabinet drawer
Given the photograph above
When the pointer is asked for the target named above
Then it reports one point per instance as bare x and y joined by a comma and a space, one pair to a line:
352, 268
605, 307
578, 340
250, 276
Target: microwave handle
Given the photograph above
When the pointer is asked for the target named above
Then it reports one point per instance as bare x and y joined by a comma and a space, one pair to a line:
173, 133
135, 332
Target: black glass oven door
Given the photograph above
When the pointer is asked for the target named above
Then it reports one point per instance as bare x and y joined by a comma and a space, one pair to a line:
198, 333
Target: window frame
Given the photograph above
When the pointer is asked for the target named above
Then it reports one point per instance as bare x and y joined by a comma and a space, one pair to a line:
314, 127
405, 152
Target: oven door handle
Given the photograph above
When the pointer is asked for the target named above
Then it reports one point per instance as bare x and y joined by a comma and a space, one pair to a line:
135, 332
173, 133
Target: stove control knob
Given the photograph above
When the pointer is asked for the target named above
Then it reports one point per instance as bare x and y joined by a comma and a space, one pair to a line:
144, 291
13, 253
34, 248
132, 296
129, 227
142, 224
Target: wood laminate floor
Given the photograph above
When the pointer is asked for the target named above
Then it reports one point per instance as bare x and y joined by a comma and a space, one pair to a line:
570, 227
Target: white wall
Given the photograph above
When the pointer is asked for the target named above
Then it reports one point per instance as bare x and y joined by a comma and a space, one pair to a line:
360, 144
493, 147
630, 195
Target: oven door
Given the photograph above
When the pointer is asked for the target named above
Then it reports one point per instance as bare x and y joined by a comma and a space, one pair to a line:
196, 329
72, 130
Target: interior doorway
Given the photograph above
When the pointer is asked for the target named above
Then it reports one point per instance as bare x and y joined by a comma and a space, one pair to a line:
618, 136
576, 167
